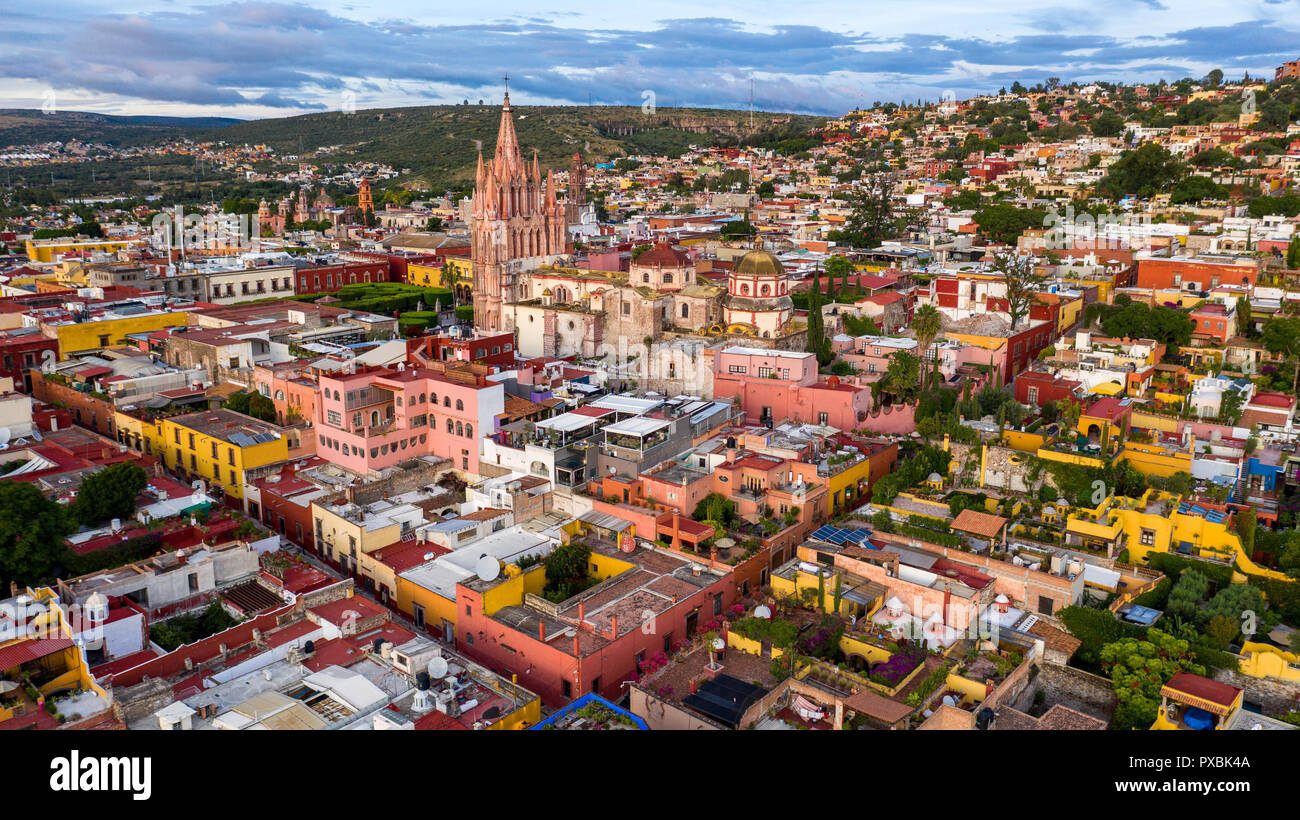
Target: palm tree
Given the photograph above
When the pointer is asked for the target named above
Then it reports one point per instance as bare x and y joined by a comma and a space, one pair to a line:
926, 323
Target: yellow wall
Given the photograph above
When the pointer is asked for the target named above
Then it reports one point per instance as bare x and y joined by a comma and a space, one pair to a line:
436, 608
1152, 459
848, 479
1261, 660
74, 337
42, 250
511, 591
171, 443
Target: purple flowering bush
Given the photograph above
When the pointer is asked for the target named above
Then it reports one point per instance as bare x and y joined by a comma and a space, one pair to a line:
899, 666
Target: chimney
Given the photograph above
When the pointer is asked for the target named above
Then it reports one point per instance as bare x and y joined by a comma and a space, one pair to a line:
541, 631
613, 627
582, 612
577, 652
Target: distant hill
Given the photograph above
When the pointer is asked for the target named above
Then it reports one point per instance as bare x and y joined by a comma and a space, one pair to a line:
438, 142
22, 126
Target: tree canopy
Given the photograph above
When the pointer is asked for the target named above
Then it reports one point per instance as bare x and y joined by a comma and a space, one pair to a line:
32, 529
109, 493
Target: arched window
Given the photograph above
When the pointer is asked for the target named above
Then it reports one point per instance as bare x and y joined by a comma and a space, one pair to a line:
767, 290
374, 418
460, 429
399, 401
279, 395
460, 405
686, 311
469, 431
446, 401
451, 428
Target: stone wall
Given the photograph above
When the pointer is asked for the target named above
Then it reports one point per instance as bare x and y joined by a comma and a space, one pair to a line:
1273, 695
137, 702
1001, 473
1077, 689
408, 477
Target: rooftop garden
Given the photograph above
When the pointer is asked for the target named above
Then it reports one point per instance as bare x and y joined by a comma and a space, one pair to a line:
567, 572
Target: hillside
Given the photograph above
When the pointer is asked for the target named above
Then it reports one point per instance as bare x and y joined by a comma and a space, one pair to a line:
437, 143
21, 126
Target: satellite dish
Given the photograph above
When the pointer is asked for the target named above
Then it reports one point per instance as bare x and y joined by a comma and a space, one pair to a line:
4, 435
762, 611
487, 568
438, 668
949, 700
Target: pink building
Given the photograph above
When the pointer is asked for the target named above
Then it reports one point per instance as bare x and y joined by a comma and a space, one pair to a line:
378, 417
783, 384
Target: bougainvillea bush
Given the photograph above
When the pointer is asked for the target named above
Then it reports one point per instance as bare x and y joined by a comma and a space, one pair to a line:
901, 664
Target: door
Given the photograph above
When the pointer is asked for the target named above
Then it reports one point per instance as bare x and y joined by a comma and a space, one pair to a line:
693, 621
419, 616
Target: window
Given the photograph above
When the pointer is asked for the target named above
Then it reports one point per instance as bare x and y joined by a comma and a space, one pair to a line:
469, 638
460, 405
627, 309
764, 372
1033, 395
737, 368
717, 604
823, 419
1148, 537
566, 688
1044, 605
214, 449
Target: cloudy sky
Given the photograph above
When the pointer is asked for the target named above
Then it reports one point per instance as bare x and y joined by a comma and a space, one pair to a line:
268, 59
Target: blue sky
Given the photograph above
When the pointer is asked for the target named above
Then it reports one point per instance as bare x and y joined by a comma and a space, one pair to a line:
259, 59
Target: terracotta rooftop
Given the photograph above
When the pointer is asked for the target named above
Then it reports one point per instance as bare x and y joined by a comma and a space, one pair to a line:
978, 523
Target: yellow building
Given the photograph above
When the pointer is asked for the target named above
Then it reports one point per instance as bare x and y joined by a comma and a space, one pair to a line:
218, 446
108, 330
430, 276
39, 646
48, 250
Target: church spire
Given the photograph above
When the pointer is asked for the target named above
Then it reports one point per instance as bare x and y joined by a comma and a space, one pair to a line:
507, 160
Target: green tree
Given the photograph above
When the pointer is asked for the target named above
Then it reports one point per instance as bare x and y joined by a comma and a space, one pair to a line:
1293, 253
902, 374
1281, 335
1144, 172
926, 324
1022, 281
1234, 600
715, 507
434, 224
872, 219
566, 571
109, 493
1138, 668
32, 529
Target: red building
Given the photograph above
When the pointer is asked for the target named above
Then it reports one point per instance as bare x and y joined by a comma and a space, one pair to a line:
1187, 274
24, 349
487, 348
329, 278
596, 644
1037, 389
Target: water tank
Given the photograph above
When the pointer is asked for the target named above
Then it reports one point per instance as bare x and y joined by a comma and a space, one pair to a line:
379, 645
422, 681
309, 647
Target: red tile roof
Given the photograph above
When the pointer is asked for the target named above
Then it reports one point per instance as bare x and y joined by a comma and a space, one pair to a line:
1204, 688
20, 653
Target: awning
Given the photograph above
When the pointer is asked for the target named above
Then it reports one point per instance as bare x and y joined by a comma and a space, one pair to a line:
20, 653
1108, 389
